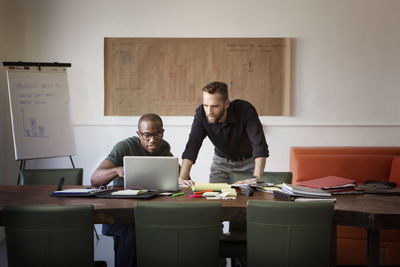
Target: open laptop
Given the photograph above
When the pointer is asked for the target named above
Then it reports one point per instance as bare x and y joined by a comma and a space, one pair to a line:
151, 173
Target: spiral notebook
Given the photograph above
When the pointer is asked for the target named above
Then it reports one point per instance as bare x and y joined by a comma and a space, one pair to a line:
81, 192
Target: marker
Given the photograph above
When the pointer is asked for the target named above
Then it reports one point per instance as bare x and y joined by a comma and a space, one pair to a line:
177, 194
196, 196
201, 192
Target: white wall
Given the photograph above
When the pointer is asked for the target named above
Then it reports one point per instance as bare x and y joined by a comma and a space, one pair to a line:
345, 83
3, 105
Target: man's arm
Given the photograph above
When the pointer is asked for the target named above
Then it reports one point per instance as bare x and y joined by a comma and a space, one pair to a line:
184, 178
256, 136
189, 156
105, 173
259, 165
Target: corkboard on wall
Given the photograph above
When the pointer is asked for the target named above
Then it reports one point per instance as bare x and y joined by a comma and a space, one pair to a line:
166, 75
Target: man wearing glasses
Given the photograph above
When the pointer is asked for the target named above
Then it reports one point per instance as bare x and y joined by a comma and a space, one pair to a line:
149, 142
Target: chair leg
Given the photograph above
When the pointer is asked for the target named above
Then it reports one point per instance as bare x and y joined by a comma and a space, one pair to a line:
238, 262
95, 231
116, 244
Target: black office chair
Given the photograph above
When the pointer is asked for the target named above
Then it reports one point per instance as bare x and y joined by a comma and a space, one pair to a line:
49, 235
233, 243
290, 234
177, 234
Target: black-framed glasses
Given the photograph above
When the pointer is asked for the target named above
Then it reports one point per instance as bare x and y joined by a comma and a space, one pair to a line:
156, 135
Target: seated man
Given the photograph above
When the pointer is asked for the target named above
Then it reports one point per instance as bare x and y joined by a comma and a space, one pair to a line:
148, 143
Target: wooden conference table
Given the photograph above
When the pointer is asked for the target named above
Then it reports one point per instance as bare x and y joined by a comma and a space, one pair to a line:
372, 212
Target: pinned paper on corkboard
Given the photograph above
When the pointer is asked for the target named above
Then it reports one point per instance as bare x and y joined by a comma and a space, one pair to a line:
166, 75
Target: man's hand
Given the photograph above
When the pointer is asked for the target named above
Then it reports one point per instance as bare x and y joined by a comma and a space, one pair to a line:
105, 173
184, 182
184, 178
120, 171
247, 181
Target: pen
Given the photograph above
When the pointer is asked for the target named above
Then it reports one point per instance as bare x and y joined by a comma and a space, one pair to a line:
177, 194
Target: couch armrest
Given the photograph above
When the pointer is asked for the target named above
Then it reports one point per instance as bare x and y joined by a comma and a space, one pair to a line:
395, 171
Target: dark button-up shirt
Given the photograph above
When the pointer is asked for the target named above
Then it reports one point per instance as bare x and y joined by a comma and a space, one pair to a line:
240, 136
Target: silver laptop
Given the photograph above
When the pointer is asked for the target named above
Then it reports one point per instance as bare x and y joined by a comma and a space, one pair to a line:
151, 173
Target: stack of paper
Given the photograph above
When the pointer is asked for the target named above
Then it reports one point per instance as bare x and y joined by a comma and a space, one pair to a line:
299, 193
213, 191
296, 190
225, 194
269, 189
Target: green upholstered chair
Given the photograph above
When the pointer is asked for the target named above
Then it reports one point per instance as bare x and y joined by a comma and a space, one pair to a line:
233, 243
72, 176
177, 234
288, 234
51, 176
270, 177
49, 235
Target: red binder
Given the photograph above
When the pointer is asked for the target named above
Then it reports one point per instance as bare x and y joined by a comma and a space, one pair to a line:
328, 182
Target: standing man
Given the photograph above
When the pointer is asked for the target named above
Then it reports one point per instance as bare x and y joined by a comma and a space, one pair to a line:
149, 142
236, 132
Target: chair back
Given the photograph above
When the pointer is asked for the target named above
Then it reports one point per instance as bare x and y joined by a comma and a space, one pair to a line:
288, 234
51, 176
270, 177
177, 234
49, 235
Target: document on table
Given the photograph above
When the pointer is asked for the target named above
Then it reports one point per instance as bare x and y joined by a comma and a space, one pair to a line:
128, 192
210, 186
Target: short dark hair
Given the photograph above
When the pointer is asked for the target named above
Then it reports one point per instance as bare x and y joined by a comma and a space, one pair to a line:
217, 87
150, 117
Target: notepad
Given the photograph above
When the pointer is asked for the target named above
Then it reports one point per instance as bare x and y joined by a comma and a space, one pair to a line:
128, 192
231, 192
210, 194
209, 186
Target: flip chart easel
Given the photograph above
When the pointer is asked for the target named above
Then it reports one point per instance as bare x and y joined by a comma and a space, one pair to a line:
40, 112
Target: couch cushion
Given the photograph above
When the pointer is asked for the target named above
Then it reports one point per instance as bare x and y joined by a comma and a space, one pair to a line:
395, 171
361, 164
358, 167
350, 232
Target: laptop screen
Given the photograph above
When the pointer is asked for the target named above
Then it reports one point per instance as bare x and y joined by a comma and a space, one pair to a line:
151, 173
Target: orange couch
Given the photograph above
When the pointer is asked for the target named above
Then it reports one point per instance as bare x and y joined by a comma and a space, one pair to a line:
361, 164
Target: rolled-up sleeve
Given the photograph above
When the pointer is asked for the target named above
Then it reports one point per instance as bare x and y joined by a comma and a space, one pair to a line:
196, 137
117, 153
255, 133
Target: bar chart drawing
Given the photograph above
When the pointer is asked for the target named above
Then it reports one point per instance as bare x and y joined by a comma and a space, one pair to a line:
31, 127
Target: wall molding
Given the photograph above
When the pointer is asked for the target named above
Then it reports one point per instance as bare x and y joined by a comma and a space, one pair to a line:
264, 125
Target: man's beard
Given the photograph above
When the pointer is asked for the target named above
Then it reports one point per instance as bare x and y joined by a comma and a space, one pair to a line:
217, 118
